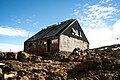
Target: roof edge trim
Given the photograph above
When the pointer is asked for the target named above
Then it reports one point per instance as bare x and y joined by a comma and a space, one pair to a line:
68, 26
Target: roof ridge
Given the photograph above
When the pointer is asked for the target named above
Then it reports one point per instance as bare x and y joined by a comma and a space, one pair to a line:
59, 23
52, 30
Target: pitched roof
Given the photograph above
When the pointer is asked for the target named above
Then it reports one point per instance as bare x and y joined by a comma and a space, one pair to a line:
52, 30
56, 30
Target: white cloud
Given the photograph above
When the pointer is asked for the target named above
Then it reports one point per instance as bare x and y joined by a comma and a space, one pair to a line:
4, 47
104, 36
116, 26
18, 20
10, 31
105, 1
95, 14
32, 22
28, 20
76, 12
100, 22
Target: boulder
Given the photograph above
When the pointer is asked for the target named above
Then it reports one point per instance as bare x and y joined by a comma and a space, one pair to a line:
47, 61
1, 55
24, 78
41, 78
76, 51
1, 77
106, 64
38, 76
75, 57
10, 76
11, 56
117, 61
117, 64
37, 70
36, 59
8, 67
1, 71
22, 56
22, 72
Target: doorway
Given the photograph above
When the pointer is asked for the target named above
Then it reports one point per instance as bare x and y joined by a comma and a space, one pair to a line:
48, 45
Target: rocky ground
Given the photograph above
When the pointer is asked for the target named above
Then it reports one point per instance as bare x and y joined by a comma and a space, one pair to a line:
96, 64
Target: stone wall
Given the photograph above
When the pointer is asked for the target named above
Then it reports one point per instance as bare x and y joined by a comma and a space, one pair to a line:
69, 44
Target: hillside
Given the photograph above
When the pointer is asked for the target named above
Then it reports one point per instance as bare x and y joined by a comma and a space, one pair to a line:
98, 64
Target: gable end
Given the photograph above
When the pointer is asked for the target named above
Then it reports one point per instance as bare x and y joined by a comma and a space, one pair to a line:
74, 30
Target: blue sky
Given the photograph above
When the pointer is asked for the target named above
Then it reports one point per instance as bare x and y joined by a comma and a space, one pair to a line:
19, 19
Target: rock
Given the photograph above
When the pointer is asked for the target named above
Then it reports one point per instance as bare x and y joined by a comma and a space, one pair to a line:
37, 70
22, 56
36, 59
43, 74
107, 64
12, 78
1, 71
102, 77
75, 57
5, 55
9, 76
41, 78
58, 56
11, 56
8, 67
117, 64
38, 76
1, 77
45, 70
1, 55
24, 78
116, 77
47, 61
76, 51
117, 61
22, 72
56, 73
103, 65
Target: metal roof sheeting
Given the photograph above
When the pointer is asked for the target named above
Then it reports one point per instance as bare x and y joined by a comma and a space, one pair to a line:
53, 30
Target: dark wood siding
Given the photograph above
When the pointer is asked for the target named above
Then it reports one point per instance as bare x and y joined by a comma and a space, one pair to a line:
40, 46
54, 45
76, 26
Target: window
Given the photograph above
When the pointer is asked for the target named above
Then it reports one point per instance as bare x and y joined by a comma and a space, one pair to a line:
30, 45
73, 31
80, 34
54, 41
44, 42
76, 32
39, 42
34, 44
